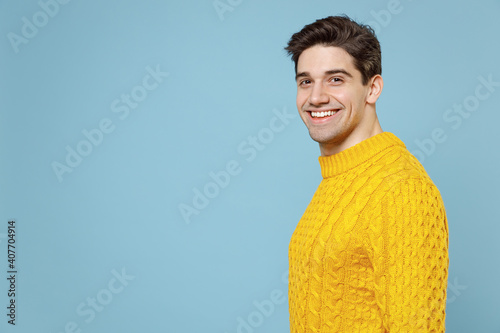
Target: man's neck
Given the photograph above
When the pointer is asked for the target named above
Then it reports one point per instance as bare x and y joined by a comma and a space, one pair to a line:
353, 139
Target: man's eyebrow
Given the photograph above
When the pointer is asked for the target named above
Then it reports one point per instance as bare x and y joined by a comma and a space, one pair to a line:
337, 71
329, 72
301, 74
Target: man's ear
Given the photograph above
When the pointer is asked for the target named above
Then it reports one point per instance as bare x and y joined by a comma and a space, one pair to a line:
376, 84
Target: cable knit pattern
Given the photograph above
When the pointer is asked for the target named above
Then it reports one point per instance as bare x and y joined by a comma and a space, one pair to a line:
370, 253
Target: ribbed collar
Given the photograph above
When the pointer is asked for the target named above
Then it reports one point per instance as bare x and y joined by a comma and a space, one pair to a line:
351, 157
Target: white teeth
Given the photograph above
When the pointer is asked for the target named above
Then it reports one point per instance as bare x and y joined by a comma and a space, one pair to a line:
321, 114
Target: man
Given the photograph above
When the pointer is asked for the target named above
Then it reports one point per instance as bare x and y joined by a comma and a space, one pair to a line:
370, 253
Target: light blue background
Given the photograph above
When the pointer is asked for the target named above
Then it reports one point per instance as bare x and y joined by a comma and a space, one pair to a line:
120, 207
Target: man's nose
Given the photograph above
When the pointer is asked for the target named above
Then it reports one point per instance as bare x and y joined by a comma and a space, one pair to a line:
318, 95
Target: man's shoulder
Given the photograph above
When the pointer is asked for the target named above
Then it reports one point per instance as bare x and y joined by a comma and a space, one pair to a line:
400, 176
397, 165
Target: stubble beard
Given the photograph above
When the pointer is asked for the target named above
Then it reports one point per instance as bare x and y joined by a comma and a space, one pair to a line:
333, 134
327, 136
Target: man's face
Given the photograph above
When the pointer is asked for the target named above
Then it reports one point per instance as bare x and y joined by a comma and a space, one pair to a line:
331, 98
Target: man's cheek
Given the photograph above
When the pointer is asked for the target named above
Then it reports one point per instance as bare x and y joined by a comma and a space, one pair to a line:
301, 100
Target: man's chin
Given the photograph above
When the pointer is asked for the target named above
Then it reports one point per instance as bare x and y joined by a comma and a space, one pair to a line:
323, 139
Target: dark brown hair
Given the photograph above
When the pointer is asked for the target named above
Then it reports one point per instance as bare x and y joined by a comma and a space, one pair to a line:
356, 39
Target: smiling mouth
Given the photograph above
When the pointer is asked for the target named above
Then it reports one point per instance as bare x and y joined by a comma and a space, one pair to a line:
322, 114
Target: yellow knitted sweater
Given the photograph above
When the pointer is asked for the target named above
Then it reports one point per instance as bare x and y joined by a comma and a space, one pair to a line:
370, 253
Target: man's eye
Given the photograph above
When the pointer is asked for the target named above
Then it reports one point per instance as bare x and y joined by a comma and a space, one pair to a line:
304, 82
336, 80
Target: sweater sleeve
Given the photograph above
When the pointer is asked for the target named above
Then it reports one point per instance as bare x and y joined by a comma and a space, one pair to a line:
408, 246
